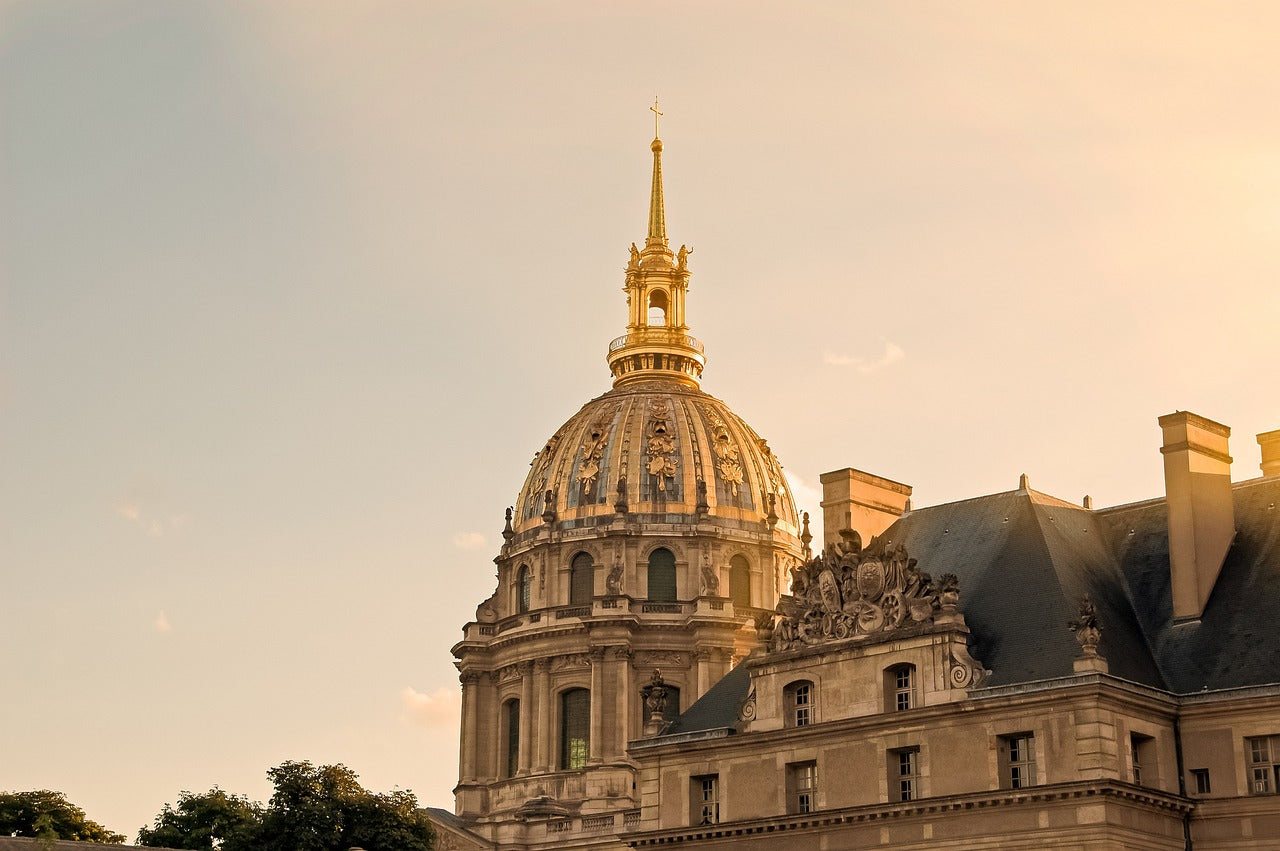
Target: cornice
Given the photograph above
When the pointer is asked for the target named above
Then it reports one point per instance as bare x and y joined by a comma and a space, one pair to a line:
1107, 789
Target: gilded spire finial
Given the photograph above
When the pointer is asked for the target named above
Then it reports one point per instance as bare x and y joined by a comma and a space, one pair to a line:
657, 212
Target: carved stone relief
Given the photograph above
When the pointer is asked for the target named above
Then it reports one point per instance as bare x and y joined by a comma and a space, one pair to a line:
654, 658
594, 442
728, 458
572, 660
661, 447
848, 592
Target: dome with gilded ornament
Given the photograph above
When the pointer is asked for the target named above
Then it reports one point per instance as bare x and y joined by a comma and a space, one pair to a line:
661, 450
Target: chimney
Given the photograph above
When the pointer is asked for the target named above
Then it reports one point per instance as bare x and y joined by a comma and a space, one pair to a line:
867, 504
1197, 481
1270, 443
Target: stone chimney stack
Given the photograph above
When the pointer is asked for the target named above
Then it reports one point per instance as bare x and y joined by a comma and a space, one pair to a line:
1197, 479
1270, 443
867, 504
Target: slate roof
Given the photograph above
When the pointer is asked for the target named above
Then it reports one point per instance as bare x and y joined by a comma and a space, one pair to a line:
1025, 558
1236, 641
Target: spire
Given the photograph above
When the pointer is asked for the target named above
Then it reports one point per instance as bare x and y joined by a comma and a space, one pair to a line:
657, 213
657, 344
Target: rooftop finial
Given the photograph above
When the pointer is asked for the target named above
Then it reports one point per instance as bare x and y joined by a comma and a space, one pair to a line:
657, 212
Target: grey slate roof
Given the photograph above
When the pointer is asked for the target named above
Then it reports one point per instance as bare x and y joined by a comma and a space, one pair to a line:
717, 708
1237, 641
1024, 559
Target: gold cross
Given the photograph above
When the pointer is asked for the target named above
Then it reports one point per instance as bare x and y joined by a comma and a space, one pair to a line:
654, 110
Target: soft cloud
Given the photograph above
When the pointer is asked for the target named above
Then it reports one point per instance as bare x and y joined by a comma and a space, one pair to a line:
468, 540
441, 708
161, 622
892, 354
150, 523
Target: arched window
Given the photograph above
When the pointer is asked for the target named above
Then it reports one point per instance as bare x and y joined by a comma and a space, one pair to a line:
582, 580
575, 728
662, 575
801, 701
522, 589
511, 737
657, 308
900, 688
739, 581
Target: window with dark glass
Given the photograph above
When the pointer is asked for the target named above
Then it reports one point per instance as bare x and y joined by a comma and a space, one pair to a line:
523, 585
1201, 778
511, 715
800, 704
904, 774
662, 575
582, 580
1018, 760
740, 581
575, 728
1263, 754
706, 799
802, 787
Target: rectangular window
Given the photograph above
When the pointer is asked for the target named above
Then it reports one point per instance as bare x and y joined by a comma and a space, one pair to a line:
802, 783
513, 737
803, 696
1018, 758
903, 688
1263, 753
904, 774
1201, 778
706, 799
1143, 756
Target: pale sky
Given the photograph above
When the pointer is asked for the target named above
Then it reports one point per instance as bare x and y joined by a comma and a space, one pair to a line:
290, 293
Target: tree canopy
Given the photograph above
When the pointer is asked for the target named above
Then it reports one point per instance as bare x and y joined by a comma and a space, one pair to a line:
313, 808
49, 815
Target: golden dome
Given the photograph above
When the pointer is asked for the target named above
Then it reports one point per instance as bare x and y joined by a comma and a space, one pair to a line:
661, 452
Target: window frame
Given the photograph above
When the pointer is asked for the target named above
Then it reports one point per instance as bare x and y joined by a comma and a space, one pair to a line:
1018, 760
740, 581
903, 767
657, 569
582, 579
897, 696
510, 737
802, 787
574, 751
1142, 759
1203, 784
1262, 763
704, 799
800, 712
523, 589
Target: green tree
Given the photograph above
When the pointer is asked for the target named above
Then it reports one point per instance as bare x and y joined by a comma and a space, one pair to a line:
211, 819
49, 815
313, 808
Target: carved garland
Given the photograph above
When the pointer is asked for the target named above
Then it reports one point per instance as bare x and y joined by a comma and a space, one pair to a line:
662, 447
728, 458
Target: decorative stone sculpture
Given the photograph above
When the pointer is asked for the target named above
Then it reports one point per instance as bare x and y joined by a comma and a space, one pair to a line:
710, 578
613, 582
620, 504
549, 507
654, 695
1086, 627
507, 532
661, 446
848, 592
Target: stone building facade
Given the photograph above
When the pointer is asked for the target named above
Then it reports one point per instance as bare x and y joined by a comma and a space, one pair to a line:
667, 660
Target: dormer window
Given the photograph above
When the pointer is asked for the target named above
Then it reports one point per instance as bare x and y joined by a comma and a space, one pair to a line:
800, 703
900, 688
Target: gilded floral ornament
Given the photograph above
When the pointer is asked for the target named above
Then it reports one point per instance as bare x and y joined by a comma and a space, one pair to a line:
728, 458
592, 449
662, 446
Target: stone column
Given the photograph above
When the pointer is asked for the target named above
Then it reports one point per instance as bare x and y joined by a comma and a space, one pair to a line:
622, 695
542, 687
467, 755
524, 754
597, 703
